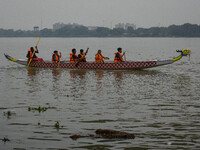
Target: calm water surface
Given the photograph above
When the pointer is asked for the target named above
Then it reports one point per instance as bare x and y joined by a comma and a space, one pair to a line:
160, 105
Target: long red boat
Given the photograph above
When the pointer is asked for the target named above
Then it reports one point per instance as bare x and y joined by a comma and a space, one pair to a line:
110, 65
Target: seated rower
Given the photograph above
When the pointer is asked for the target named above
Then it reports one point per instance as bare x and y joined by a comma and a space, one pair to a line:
73, 56
31, 53
119, 56
56, 57
99, 57
82, 55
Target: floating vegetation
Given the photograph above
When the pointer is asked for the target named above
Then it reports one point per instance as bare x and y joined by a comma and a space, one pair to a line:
5, 139
94, 147
98, 121
9, 113
102, 133
40, 109
57, 125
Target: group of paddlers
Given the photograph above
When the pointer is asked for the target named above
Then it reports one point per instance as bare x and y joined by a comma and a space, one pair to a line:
81, 57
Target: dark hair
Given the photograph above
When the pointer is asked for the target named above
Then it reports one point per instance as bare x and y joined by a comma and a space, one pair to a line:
119, 49
81, 50
55, 51
73, 50
31, 48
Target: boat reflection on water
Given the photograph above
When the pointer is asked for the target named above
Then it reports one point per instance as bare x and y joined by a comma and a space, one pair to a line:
56, 73
99, 76
32, 71
77, 73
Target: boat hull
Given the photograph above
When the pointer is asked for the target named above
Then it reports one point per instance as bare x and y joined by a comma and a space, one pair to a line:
128, 65
93, 65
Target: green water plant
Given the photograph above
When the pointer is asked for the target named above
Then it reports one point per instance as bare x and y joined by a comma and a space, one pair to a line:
57, 125
5, 139
39, 109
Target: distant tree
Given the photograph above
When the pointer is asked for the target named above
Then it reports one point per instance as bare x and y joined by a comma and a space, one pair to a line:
80, 31
46, 32
118, 31
102, 32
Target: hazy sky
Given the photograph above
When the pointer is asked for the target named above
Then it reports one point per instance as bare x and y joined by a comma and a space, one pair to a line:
24, 14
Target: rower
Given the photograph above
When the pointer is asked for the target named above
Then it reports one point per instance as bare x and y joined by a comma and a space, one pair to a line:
73, 56
31, 53
82, 55
56, 57
119, 55
99, 57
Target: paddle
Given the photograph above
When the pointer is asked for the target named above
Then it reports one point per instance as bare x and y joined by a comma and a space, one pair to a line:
59, 61
125, 56
33, 52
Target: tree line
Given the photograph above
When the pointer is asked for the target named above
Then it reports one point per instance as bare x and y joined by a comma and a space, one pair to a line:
185, 30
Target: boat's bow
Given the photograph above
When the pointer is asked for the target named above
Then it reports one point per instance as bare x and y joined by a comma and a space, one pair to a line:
184, 52
19, 61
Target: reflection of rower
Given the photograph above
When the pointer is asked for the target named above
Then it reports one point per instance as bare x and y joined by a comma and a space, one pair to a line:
99, 57
56, 73
77, 73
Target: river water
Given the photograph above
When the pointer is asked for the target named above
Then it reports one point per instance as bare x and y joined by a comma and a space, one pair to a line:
161, 106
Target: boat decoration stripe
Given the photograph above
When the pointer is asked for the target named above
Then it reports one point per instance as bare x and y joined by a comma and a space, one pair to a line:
10, 58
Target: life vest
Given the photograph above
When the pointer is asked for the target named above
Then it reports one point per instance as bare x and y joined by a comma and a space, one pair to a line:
118, 59
83, 59
55, 60
30, 53
73, 59
99, 58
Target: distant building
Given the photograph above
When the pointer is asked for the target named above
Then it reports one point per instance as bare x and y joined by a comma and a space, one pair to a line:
91, 28
120, 25
57, 26
35, 28
125, 26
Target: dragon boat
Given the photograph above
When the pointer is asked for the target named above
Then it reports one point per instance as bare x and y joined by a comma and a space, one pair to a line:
109, 65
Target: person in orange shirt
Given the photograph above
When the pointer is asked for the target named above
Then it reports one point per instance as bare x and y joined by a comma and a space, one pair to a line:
31, 53
82, 55
73, 56
56, 57
119, 55
99, 57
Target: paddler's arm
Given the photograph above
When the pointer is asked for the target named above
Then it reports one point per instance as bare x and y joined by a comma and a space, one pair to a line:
75, 57
28, 54
60, 55
36, 49
106, 58
79, 57
86, 51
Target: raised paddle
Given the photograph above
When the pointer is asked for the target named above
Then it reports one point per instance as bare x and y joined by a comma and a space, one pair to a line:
59, 61
125, 56
33, 52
